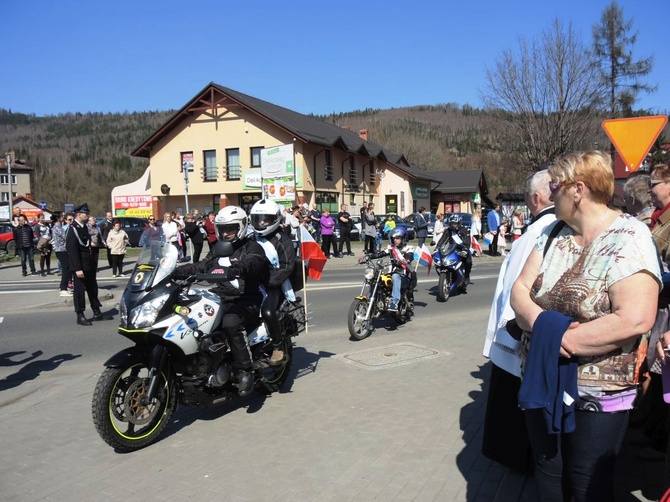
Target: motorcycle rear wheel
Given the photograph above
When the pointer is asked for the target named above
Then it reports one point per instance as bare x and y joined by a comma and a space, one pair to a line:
443, 287
359, 327
120, 419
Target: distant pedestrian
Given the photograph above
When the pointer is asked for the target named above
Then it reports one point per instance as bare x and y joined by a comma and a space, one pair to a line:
105, 226
421, 226
327, 238
25, 245
211, 230
370, 229
78, 246
517, 224
98, 242
58, 231
152, 232
117, 241
344, 219
196, 233
315, 218
43, 234
493, 222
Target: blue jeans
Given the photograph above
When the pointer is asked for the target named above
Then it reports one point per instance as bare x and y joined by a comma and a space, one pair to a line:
29, 254
400, 282
579, 464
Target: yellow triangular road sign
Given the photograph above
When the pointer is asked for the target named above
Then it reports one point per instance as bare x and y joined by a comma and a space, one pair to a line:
634, 137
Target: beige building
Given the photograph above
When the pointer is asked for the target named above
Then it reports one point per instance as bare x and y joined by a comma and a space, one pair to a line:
219, 136
20, 179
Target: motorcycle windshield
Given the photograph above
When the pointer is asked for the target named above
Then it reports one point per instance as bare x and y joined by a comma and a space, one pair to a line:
447, 248
157, 261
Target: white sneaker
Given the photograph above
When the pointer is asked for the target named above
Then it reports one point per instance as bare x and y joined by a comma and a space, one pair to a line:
65, 293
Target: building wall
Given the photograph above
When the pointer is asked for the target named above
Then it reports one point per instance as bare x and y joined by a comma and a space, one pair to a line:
240, 128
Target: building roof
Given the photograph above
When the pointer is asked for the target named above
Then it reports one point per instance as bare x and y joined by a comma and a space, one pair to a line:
304, 127
467, 181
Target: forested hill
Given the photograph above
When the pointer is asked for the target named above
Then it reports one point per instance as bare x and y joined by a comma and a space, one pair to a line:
80, 157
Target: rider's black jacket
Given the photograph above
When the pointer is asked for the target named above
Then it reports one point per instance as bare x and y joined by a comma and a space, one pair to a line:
248, 262
285, 253
462, 233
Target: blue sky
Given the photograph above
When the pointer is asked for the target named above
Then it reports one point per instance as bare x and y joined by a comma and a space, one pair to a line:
312, 57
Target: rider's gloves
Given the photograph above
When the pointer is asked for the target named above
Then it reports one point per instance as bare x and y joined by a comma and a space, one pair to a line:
227, 273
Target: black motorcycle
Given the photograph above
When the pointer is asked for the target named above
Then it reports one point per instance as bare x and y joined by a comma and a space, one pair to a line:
178, 355
374, 299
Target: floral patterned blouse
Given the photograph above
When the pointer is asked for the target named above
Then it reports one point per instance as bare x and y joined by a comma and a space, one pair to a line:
575, 280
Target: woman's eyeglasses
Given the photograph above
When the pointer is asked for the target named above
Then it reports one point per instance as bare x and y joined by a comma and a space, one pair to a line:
554, 186
653, 183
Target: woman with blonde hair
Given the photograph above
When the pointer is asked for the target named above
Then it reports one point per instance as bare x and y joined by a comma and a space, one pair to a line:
517, 224
578, 302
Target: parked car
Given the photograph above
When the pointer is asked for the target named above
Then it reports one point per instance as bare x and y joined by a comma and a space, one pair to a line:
131, 225
430, 219
354, 235
399, 222
7, 238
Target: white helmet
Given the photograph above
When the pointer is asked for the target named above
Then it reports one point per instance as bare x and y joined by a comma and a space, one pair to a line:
231, 216
266, 216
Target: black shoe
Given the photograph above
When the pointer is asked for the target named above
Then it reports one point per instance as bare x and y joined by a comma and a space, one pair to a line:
82, 321
467, 281
99, 316
24, 274
245, 383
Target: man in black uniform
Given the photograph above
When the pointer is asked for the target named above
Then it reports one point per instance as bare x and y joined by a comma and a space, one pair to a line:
345, 230
455, 227
242, 274
82, 265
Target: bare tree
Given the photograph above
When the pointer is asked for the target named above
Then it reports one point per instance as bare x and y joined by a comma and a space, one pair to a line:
612, 44
545, 95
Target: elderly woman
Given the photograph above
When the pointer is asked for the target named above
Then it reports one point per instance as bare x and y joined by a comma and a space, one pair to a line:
660, 220
578, 299
637, 198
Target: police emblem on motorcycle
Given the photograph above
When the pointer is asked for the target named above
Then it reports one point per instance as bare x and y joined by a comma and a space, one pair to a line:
138, 277
209, 310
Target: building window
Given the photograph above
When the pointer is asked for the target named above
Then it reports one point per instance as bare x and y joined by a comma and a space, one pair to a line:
5, 196
233, 163
4, 179
256, 156
328, 168
211, 171
372, 177
353, 178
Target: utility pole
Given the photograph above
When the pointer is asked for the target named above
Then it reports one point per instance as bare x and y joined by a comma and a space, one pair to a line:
184, 166
9, 157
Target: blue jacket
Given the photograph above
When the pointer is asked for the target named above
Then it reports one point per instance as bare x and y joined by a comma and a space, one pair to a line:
493, 221
547, 376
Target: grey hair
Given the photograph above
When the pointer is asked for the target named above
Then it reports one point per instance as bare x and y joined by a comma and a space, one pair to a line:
538, 182
638, 187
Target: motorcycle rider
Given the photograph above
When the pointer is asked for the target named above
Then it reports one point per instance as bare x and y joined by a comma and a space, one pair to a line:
455, 227
245, 271
266, 219
403, 276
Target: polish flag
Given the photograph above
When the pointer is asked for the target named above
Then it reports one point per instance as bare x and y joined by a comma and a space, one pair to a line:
312, 255
422, 255
475, 245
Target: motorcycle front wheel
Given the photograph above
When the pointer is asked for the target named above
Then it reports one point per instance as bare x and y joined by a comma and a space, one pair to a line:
120, 418
443, 286
359, 327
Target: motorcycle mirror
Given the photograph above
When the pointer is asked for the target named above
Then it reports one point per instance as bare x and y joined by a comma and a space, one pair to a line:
223, 249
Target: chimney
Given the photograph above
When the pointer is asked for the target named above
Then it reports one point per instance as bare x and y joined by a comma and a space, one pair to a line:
363, 133
346, 128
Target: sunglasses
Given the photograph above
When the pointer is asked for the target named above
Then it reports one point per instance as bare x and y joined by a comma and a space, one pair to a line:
152, 219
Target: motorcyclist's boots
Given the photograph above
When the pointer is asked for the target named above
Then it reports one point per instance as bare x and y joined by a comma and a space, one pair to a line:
245, 383
467, 280
277, 357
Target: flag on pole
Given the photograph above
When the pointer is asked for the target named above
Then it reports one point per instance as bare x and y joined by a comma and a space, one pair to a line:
312, 255
422, 256
476, 248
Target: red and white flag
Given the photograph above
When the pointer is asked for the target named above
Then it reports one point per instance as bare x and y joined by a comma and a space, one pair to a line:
312, 255
476, 248
423, 257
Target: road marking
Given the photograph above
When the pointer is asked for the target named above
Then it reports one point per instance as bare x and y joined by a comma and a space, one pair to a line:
346, 285
31, 291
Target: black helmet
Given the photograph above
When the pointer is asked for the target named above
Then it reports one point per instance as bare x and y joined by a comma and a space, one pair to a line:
455, 221
398, 232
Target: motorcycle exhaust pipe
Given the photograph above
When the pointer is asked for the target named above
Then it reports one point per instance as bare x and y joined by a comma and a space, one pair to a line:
220, 376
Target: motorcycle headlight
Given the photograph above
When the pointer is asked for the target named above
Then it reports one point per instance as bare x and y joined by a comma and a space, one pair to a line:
369, 273
452, 261
145, 315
